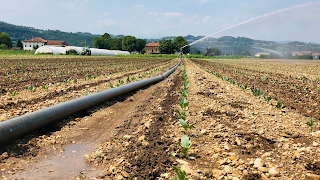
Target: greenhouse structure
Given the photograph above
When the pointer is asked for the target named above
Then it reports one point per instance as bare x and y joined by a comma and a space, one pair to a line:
79, 51
49, 50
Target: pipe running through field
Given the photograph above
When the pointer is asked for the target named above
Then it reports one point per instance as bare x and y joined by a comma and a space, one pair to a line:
18, 126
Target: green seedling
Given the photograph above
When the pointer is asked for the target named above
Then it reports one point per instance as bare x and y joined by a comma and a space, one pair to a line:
185, 145
280, 105
86, 94
6, 73
184, 103
183, 114
23, 71
121, 82
257, 92
66, 81
318, 89
128, 80
58, 84
45, 87
311, 123
29, 76
75, 81
268, 99
7, 80
181, 175
32, 89
184, 93
111, 85
186, 85
14, 94
186, 126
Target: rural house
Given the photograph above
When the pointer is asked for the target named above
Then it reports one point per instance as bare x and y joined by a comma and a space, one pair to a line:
152, 48
261, 53
31, 43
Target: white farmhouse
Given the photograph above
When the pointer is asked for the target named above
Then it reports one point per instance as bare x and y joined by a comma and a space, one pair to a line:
31, 43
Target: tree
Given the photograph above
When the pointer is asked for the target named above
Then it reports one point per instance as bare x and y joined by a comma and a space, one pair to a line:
35, 47
116, 44
19, 44
129, 43
179, 42
106, 36
246, 53
140, 44
217, 52
5, 39
166, 46
3, 46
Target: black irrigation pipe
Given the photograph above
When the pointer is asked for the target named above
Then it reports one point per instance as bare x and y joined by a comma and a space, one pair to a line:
18, 126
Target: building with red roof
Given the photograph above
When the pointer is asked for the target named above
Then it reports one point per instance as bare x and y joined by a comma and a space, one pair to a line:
152, 48
31, 43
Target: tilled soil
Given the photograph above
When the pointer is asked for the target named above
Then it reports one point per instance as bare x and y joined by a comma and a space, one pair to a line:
27, 102
279, 86
236, 136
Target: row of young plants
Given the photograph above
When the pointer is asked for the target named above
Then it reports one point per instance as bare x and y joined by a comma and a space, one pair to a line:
32, 89
137, 76
257, 92
296, 86
184, 143
46, 75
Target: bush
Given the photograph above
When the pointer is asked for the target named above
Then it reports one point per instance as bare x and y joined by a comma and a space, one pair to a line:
3, 46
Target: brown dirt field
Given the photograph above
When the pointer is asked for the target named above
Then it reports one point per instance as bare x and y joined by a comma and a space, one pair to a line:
236, 136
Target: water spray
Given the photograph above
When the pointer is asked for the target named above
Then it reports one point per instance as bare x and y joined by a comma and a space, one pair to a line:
253, 19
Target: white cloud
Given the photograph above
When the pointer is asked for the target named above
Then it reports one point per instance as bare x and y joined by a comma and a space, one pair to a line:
153, 13
172, 14
140, 6
206, 19
106, 22
105, 14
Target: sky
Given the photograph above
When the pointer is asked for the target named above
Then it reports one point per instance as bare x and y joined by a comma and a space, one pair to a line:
156, 19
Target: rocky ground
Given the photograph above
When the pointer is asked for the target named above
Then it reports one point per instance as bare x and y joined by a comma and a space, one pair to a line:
236, 136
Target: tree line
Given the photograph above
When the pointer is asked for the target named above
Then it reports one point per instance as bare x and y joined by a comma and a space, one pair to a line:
132, 44
167, 46
126, 43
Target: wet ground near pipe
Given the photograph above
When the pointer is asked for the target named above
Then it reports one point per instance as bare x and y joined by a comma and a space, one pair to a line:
63, 164
59, 153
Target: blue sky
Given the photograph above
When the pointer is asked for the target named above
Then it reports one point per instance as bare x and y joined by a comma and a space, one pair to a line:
156, 19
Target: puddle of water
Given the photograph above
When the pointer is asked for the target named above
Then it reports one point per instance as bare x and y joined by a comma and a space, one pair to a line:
62, 165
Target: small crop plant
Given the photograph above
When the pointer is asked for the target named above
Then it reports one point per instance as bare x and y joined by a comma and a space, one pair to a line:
14, 94
311, 124
45, 87
32, 89
181, 175
268, 99
280, 105
185, 145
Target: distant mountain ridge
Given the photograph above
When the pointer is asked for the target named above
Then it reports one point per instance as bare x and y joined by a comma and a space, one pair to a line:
23, 33
227, 44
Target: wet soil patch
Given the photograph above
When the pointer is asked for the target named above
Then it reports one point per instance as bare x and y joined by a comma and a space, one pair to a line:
31, 144
253, 142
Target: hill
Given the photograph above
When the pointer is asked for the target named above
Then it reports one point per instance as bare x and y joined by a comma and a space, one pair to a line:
23, 33
227, 44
